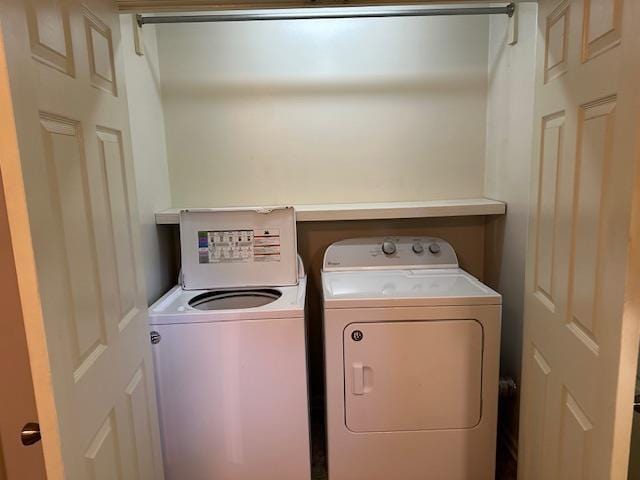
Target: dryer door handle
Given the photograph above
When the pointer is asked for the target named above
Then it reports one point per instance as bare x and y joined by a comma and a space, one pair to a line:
358, 379
362, 378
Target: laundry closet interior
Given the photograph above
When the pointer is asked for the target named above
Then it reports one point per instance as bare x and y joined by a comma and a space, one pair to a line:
418, 126
373, 157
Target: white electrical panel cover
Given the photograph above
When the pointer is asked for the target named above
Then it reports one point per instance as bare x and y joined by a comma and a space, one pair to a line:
238, 247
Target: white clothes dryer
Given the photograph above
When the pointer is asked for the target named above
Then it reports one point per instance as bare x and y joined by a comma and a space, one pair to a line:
412, 351
230, 350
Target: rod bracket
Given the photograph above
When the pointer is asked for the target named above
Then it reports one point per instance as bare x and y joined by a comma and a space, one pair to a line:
513, 28
511, 9
140, 20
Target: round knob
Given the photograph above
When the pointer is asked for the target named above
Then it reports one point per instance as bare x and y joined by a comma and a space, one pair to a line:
417, 248
30, 434
388, 247
434, 248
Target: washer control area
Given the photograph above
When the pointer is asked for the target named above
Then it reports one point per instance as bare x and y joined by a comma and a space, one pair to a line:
238, 247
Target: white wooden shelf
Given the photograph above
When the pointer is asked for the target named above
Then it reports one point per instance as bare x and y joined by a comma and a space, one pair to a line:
377, 211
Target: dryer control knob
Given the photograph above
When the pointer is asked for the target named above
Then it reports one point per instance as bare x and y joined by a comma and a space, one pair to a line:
417, 248
434, 248
388, 247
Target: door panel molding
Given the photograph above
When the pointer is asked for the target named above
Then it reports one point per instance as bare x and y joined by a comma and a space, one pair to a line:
50, 45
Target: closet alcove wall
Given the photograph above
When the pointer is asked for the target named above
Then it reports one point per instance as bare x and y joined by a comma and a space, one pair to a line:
341, 111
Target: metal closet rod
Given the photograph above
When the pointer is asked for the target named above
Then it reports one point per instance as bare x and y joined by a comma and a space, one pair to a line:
311, 15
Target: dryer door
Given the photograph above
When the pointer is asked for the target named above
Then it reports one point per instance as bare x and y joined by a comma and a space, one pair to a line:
418, 375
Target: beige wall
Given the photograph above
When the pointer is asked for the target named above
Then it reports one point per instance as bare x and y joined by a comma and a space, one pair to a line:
325, 110
150, 157
508, 168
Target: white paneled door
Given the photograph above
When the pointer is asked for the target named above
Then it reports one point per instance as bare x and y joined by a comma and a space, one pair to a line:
581, 310
71, 207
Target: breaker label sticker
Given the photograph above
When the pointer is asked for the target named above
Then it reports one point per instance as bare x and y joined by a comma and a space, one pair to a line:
239, 246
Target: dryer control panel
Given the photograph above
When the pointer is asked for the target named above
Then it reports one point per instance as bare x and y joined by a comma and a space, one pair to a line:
391, 252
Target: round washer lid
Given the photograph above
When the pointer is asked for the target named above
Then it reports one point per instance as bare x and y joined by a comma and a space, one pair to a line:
234, 299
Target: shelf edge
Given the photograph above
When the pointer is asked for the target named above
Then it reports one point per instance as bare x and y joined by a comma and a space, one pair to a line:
378, 211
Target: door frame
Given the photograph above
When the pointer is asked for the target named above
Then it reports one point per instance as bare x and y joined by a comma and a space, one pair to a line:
20, 289
631, 319
18, 402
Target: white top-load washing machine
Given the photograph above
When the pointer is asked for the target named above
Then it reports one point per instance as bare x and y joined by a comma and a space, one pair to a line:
412, 352
230, 350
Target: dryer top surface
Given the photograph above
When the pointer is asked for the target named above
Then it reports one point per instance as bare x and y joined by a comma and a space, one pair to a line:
399, 271
380, 288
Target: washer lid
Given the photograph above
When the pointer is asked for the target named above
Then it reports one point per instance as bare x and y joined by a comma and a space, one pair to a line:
238, 247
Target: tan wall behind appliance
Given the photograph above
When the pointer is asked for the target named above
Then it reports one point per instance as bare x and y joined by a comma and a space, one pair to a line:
466, 234
325, 111
3, 472
634, 454
17, 398
509, 141
149, 156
